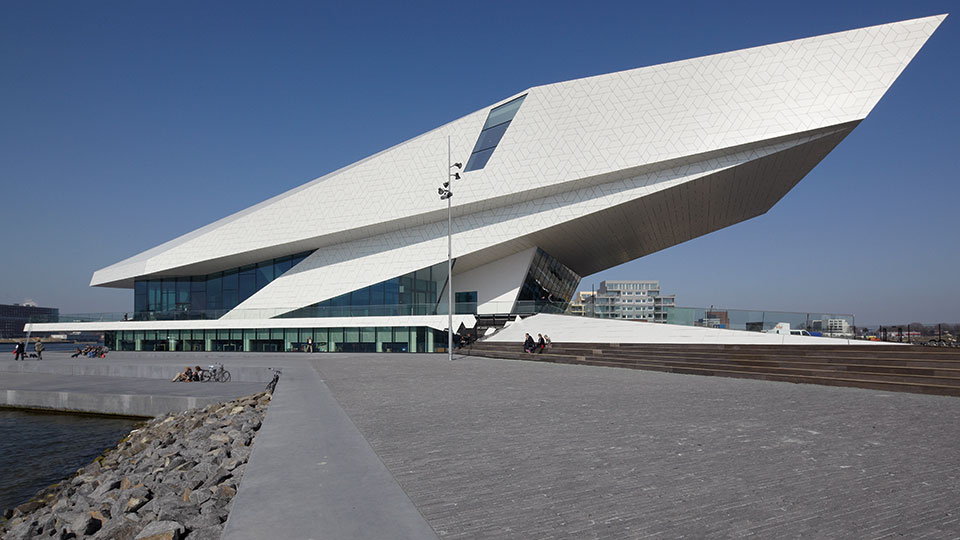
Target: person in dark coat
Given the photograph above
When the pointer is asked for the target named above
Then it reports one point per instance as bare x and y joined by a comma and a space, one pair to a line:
540, 343
528, 344
20, 352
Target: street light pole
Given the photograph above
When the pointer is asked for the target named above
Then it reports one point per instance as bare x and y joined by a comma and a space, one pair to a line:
449, 258
446, 192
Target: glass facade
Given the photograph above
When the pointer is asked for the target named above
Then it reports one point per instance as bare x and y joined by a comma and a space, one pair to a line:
367, 339
548, 286
416, 293
208, 296
493, 129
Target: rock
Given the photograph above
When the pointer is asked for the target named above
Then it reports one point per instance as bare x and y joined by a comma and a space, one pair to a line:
118, 529
85, 524
135, 498
92, 468
200, 497
161, 530
8, 513
20, 532
47, 523
178, 469
207, 533
106, 486
201, 521
28, 507
220, 437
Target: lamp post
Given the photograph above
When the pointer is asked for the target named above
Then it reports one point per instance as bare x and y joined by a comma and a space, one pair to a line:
446, 193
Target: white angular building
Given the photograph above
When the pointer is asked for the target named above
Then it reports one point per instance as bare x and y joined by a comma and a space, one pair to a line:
559, 181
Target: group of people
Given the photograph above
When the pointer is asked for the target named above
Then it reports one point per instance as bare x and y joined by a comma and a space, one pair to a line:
538, 346
20, 351
91, 351
189, 375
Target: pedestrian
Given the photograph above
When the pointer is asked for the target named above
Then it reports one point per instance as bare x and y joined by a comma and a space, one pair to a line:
38, 346
540, 343
547, 339
310, 344
21, 351
528, 344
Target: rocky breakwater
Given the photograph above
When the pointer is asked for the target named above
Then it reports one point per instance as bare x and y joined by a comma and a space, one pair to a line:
173, 478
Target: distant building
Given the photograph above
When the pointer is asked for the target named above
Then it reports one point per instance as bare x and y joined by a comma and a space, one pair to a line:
13, 317
832, 327
634, 300
715, 319
578, 306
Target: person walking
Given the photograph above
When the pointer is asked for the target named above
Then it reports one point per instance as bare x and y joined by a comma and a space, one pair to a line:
38, 346
17, 351
310, 344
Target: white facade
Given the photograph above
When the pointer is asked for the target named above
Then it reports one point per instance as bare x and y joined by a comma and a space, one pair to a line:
592, 172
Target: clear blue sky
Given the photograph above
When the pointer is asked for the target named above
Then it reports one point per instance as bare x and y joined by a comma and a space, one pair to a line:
126, 124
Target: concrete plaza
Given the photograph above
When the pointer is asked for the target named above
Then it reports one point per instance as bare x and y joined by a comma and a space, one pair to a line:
505, 449
415, 446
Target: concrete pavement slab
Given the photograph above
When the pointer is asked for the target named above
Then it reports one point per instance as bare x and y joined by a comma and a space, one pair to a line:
505, 449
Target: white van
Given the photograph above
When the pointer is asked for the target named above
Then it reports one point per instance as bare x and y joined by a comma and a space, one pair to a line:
784, 330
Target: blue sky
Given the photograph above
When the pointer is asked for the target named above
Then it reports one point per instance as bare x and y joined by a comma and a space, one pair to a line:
126, 124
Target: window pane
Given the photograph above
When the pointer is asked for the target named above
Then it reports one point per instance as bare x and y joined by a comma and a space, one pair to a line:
351, 335
264, 274
479, 160
183, 294
281, 266
229, 300
230, 280
247, 282
214, 291
368, 335
491, 137
504, 113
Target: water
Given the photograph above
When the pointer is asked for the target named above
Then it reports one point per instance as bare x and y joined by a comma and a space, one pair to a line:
39, 449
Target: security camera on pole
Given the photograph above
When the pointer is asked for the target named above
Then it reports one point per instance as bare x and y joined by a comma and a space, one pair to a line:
446, 193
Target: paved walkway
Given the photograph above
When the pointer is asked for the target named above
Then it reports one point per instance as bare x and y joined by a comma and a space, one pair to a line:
502, 449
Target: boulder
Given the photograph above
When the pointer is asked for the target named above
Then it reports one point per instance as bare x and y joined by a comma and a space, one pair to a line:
161, 530
85, 524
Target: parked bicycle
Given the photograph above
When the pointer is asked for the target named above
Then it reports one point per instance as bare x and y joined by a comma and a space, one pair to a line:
216, 373
272, 385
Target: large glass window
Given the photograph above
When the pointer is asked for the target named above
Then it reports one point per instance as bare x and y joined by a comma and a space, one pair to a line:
548, 286
207, 296
416, 293
493, 129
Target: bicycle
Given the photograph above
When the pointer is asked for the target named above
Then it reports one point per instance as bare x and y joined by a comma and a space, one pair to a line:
216, 373
272, 385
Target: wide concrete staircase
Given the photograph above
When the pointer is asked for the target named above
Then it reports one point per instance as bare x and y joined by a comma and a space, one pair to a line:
926, 370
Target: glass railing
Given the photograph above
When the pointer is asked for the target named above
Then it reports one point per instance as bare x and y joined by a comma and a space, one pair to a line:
833, 324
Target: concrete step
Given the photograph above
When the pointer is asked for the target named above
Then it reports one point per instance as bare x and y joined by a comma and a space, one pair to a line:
937, 377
